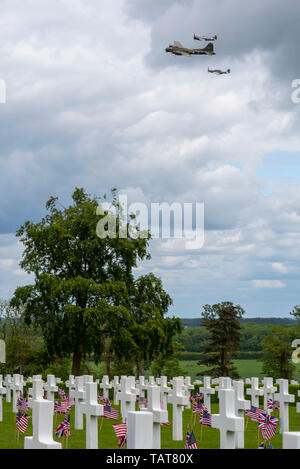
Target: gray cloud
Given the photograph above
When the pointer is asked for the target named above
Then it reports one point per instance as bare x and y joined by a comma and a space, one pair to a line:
94, 101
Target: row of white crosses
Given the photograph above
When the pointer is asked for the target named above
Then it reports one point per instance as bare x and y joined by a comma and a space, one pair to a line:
229, 421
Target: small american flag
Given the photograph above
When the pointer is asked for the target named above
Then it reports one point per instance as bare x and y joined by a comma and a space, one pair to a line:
100, 397
61, 407
110, 412
167, 424
205, 419
62, 394
253, 413
199, 408
22, 422
120, 429
22, 404
268, 425
190, 442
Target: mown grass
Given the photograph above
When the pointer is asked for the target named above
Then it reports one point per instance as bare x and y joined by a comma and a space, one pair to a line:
207, 438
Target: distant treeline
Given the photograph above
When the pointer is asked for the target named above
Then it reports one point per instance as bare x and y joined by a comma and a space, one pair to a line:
194, 339
197, 322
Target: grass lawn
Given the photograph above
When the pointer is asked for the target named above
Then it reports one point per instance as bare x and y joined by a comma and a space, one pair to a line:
207, 438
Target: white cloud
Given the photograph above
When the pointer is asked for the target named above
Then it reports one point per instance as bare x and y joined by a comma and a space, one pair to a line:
268, 284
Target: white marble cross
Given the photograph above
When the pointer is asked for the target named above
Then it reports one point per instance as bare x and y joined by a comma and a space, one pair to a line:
188, 387
126, 396
227, 421
50, 387
17, 388
159, 416
92, 411
70, 383
207, 391
141, 387
224, 383
240, 406
164, 391
2, 392
42, 421
115, 385
268, 389
78, 394
8, 385
151, 381
284, 398
255, 391
140, 430
105, 385
178, 399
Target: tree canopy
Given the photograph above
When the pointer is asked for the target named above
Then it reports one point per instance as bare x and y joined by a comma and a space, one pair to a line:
85, 297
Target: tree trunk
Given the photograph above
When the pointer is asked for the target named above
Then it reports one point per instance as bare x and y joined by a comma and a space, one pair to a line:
77, 357
139, 369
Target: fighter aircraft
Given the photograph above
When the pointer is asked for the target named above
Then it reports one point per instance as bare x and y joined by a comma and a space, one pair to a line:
204, 38
219, 72
178, 49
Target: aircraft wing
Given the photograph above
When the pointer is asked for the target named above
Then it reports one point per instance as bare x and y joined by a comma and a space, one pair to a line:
185, 53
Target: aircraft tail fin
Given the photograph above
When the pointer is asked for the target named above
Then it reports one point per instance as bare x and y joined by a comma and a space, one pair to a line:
178, 44
209, 47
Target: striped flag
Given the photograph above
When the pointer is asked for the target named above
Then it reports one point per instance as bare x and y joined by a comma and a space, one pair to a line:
22, 404
60, 429
61, 407
273, 404
67, 431
205, 418
120, 429
268, 425
110, 412
190, 442
122, 442
253, 413
22, 422
62, 394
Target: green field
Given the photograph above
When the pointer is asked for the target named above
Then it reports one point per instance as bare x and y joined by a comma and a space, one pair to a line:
246, 369
207, 438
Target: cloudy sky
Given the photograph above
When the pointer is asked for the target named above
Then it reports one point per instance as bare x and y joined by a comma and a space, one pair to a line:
94, 101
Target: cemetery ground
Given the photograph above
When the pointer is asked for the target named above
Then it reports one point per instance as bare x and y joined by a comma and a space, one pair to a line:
207, 438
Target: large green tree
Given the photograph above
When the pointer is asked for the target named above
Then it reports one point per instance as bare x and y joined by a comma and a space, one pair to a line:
85, 295
277, 353
222, 320
152, 332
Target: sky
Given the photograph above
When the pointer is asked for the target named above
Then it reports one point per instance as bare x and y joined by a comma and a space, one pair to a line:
94, 101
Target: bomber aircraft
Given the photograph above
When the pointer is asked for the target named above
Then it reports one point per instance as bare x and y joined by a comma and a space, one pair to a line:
178, 49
